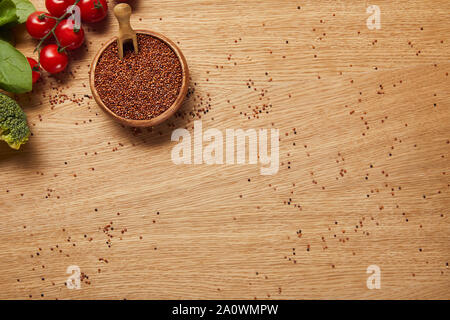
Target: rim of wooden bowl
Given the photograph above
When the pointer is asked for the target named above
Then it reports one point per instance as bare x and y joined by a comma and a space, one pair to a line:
163, 116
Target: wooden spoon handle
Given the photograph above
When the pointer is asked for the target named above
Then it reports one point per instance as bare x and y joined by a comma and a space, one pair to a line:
122, 11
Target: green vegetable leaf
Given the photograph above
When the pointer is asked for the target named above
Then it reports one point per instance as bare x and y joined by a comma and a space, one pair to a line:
15, 71
7, 12
23, 9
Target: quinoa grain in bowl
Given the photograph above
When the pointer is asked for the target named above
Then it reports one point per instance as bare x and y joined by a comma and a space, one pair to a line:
142, 86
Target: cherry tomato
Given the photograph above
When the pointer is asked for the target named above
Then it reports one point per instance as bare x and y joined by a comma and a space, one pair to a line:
52, 59
39, 24
69, 37
35, 70
58, 7
93, 10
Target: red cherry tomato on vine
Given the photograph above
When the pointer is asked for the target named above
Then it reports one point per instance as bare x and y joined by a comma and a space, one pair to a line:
69, 37
39, 24
58, 7
35, 70
93, 10
52, 59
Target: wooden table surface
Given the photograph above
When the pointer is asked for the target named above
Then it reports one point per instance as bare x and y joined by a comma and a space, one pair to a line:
364, 179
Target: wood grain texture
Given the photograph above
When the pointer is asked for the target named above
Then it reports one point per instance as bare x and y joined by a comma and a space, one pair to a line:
365, 175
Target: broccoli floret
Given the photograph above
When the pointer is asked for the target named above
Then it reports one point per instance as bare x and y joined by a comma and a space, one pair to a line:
13, 123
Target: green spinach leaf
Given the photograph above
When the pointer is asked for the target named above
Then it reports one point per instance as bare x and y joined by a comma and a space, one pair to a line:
23, 9
15, 71
7, 12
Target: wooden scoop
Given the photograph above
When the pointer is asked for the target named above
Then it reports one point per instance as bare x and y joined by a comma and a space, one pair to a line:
122, 11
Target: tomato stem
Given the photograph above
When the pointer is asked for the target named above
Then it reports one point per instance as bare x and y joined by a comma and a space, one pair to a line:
52, 32
98, 5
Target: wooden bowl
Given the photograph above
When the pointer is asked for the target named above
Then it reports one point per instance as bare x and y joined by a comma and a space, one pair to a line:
166, 114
